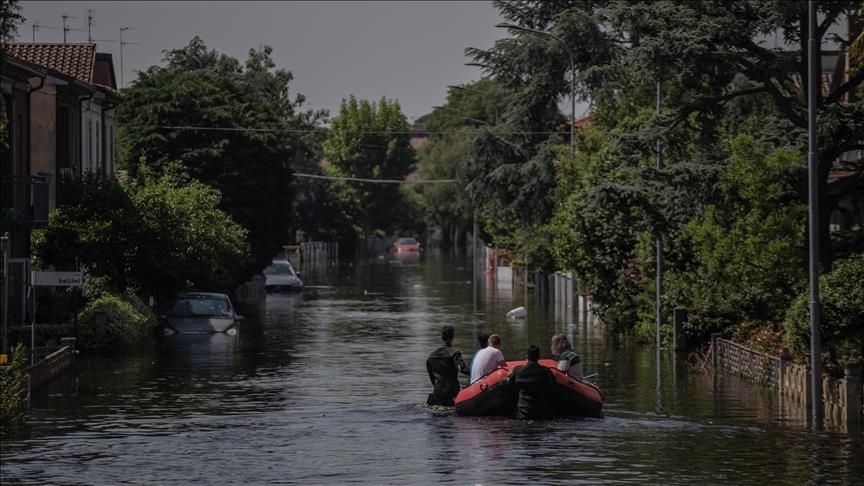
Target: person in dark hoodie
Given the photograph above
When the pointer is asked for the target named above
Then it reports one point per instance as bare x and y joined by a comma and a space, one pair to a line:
444, 366
534, 384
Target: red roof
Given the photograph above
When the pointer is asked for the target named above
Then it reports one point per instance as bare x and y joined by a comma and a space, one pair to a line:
75, 60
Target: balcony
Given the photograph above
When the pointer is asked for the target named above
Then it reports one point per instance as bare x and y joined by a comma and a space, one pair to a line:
24, 201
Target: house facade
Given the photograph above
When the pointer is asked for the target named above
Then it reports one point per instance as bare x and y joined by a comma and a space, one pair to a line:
74, 122
58, 119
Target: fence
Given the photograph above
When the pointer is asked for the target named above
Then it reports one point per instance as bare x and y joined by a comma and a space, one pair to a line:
316, 251
53, 365
841, 397
568, 303
303, 257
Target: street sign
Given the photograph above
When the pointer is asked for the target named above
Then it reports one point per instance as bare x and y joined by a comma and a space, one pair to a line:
57, 279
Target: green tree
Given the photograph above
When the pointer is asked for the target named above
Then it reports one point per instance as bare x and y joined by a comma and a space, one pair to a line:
440, 159
717, 80
841, 297
156, 235
252, 136
369, 141
95, 226
451, 131
9, 20
187, 240
748, 249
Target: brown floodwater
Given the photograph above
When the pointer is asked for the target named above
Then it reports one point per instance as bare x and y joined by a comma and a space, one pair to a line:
327, 387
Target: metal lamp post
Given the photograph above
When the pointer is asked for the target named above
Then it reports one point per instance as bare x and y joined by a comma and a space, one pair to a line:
478, 92
462, 113
474, 209
813, 227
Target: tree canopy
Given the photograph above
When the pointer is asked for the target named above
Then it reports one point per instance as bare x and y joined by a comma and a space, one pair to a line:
232, 126
156, 235
452, 128
369, 141
9, 20
728, 196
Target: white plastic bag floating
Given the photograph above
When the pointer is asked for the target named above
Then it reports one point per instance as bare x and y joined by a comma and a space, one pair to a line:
518, 313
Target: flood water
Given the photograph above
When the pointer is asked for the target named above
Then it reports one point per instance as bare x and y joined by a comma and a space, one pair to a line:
327, 387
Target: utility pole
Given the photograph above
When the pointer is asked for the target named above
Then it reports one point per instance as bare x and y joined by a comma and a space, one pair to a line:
5, 243
122, 44
813, 85
658, 304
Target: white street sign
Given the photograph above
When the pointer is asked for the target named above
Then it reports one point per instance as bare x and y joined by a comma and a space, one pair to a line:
57, 279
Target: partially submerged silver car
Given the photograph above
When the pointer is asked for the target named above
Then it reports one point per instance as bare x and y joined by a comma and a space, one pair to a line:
280, 276
201, 312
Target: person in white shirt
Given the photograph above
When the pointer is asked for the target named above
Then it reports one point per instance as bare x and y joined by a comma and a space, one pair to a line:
487, 359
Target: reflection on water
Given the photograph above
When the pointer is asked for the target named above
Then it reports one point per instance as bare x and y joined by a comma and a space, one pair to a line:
327, 386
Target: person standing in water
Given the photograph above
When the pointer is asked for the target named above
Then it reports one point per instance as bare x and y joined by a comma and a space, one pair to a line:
444, 366
534, 384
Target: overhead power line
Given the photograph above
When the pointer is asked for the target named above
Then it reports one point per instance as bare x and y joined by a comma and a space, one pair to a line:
323, 129
385, 181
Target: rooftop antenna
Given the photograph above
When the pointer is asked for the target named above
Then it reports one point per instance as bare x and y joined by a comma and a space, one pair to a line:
67, 29
89, 26
122, 43
36, 27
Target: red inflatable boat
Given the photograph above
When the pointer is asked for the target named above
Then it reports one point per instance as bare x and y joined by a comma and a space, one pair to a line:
491, 395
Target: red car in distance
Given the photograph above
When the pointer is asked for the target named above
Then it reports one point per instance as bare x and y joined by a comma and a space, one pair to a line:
406, 245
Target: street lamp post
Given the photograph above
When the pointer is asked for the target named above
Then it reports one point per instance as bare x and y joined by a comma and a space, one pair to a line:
462, 113
658, 304
474, 208
478, 92
813, 210
572, 75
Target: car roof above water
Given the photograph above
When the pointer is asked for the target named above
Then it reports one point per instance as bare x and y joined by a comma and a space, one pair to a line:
201, 295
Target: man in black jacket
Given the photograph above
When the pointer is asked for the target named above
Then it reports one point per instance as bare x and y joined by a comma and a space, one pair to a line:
534, 383
444, 366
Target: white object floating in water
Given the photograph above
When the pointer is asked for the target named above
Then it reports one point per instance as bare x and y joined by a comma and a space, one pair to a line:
518, 313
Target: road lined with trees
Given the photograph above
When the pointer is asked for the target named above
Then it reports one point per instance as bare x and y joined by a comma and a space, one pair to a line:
209, 145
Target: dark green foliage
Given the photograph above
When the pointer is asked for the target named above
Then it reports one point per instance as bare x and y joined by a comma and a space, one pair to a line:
113, 324
253, 135
730, 216
13, 388
452, 129
187, 241
94, 225
841, 296
156, 236
9, 20
747, 249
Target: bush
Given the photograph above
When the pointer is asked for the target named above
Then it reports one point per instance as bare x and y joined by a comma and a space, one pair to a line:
13, 387
841, 327
125, 324
44, 333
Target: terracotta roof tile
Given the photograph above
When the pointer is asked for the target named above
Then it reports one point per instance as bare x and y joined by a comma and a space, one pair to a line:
74, 60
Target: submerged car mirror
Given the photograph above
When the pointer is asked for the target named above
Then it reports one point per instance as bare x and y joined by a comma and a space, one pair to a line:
238, 318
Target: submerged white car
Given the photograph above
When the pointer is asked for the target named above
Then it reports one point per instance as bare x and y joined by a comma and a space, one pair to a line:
281, 277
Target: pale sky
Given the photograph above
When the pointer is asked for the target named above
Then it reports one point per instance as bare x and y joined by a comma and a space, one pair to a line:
405, 50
